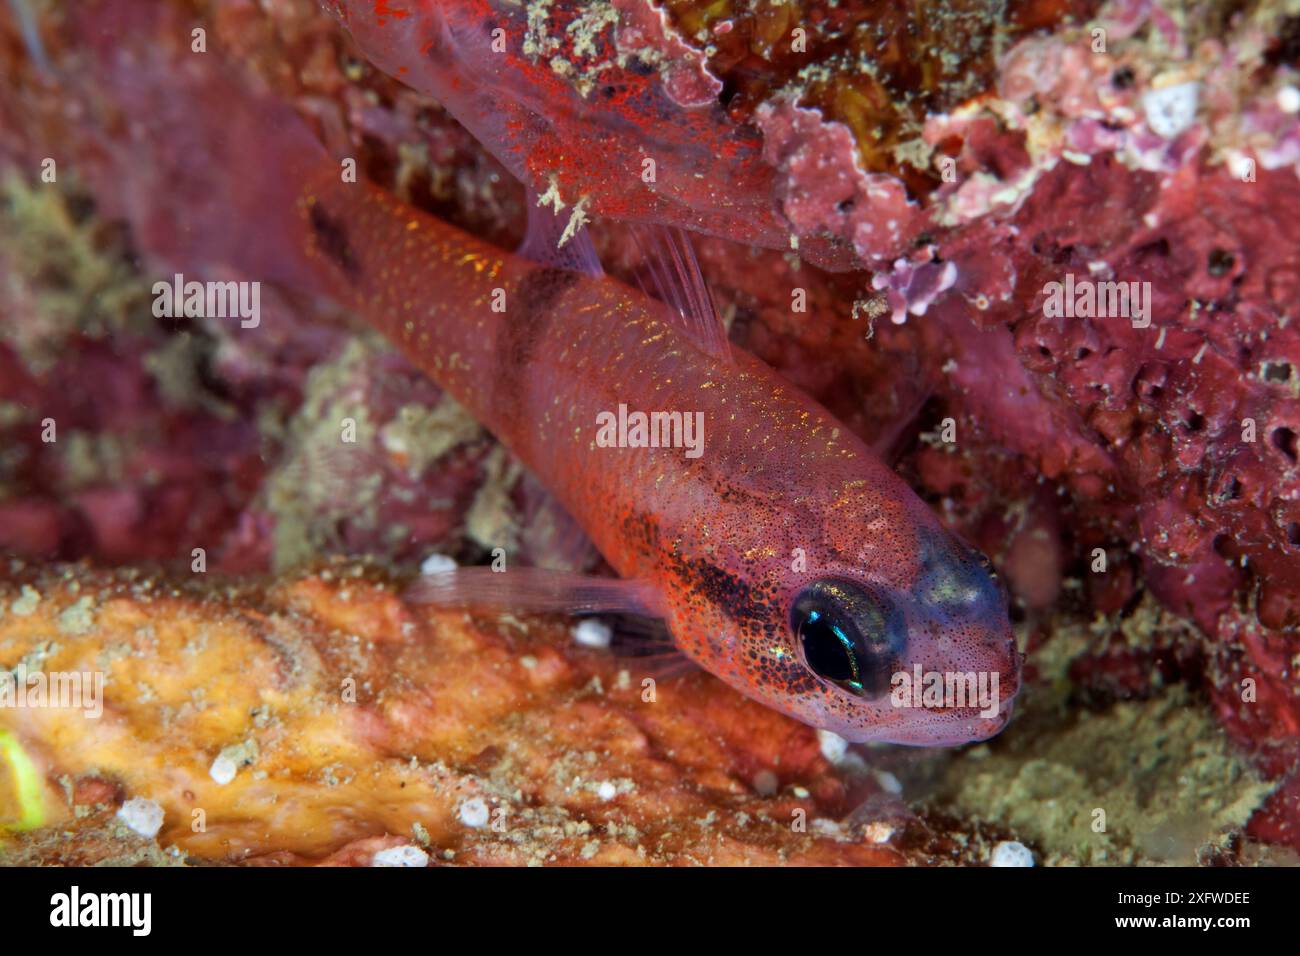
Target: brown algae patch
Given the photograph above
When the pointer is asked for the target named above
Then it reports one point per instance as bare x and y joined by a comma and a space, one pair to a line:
77, 618
421, 435
353, 444
66, 263
1152, 781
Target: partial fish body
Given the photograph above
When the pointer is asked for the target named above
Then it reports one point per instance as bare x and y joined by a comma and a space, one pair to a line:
787, 559
468, 55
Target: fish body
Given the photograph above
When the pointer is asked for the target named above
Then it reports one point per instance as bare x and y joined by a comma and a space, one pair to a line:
782, 501
785, 558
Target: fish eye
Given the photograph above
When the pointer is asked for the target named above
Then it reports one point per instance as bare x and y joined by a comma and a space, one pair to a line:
848, 636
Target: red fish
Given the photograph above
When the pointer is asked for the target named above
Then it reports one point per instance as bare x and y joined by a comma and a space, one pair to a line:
783, 555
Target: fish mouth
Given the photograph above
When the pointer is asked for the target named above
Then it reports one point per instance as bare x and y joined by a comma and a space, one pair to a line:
957, 726
967, 730
982, 728
940, 727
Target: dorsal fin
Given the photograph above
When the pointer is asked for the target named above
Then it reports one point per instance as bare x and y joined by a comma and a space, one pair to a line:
670, 273
668, 270
545, 241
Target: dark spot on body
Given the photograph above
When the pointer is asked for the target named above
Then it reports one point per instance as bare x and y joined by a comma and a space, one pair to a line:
728, 592
332, 239
642, 531
789, 675
528, 314
527, 318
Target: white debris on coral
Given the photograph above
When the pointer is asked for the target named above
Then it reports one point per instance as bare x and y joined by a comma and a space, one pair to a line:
592, 633
877, 831
474, 812
230, 759
834, 747
1011, 853
1171, 109
223, 769
888, 782
1288, 99
406, 855
606, 790
832, 829
145, 817
438, 564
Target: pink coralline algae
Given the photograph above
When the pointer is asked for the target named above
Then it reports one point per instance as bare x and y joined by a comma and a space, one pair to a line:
823, 189
912, 286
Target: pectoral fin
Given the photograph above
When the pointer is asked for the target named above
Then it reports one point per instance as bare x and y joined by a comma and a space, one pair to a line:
535, 590
556, 240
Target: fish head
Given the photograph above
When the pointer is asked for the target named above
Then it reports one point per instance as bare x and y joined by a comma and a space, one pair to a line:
922, 655
911, 644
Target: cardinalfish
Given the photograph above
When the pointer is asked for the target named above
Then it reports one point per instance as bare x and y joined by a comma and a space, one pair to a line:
785, 557
775, 547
